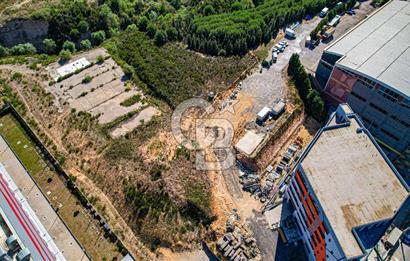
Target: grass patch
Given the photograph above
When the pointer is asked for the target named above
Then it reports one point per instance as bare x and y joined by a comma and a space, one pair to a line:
131, 100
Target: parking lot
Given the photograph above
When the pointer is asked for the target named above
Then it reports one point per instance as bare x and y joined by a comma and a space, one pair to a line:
310, 57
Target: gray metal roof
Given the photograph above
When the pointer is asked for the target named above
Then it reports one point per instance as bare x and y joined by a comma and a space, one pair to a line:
380, 46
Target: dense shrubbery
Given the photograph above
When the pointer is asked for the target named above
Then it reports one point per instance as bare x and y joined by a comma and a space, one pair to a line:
312, 100
173, 74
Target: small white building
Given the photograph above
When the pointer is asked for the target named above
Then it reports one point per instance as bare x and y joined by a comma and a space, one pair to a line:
278, 109
263, 114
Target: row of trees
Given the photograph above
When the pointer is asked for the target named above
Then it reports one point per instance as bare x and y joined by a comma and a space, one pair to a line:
311, 98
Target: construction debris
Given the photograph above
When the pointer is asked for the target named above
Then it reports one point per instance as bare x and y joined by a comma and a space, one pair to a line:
252, 183
237, 244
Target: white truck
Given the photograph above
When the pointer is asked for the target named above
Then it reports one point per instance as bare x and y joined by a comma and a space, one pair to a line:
290, 33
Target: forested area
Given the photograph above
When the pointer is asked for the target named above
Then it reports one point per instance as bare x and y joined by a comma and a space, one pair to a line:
237, 32
217, 27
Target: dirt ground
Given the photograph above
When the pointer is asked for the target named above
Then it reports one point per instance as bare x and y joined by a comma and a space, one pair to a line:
103, 95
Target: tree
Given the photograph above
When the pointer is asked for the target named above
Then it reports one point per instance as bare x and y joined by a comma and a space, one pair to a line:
151, 30
209, 10
3, 51
236, 6
98, 37
74, 34
49, 45
65, 55
83, 26
85, 44
172, 33
23, 49
68, 45
160, 37
143, 23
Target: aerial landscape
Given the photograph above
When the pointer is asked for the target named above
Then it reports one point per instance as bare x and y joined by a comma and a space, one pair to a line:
205, 130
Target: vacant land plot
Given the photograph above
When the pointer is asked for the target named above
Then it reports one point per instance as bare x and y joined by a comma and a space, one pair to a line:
101, 90
125, 127
80, 222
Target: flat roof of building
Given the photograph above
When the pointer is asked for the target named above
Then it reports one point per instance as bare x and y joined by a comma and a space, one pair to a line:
353, 181
379, 46
249, 142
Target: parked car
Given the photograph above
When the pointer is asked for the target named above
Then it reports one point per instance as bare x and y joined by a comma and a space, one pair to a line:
274, 57
283, 44
324, 12
351, 12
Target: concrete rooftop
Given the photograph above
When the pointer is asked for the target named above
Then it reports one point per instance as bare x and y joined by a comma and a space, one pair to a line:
352, 181
380, 46
249, 142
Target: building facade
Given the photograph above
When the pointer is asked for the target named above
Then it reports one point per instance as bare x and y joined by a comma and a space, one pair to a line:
369, 69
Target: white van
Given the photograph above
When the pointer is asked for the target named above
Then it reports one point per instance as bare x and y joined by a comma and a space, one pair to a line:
324, 12
274, 57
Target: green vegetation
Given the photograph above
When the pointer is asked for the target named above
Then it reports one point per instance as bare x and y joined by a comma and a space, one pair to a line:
312, 100
337, 10
172, 73
15, 135
131, 100
65, 55
236, 32
87, 79
50, 45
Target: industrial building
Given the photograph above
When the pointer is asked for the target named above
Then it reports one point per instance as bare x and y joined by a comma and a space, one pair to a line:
25, 233
30, 229
369, 69
344, 191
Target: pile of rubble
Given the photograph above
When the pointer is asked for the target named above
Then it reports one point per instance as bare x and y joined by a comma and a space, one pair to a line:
237, 243
252, 182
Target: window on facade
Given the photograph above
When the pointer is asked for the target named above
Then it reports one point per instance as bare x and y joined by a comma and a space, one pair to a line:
405, 124
378, 108
358, 96
389, 134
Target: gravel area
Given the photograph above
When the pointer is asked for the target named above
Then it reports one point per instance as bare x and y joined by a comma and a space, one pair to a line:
268, 87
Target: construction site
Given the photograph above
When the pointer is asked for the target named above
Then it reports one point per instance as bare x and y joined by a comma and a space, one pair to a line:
99, 168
